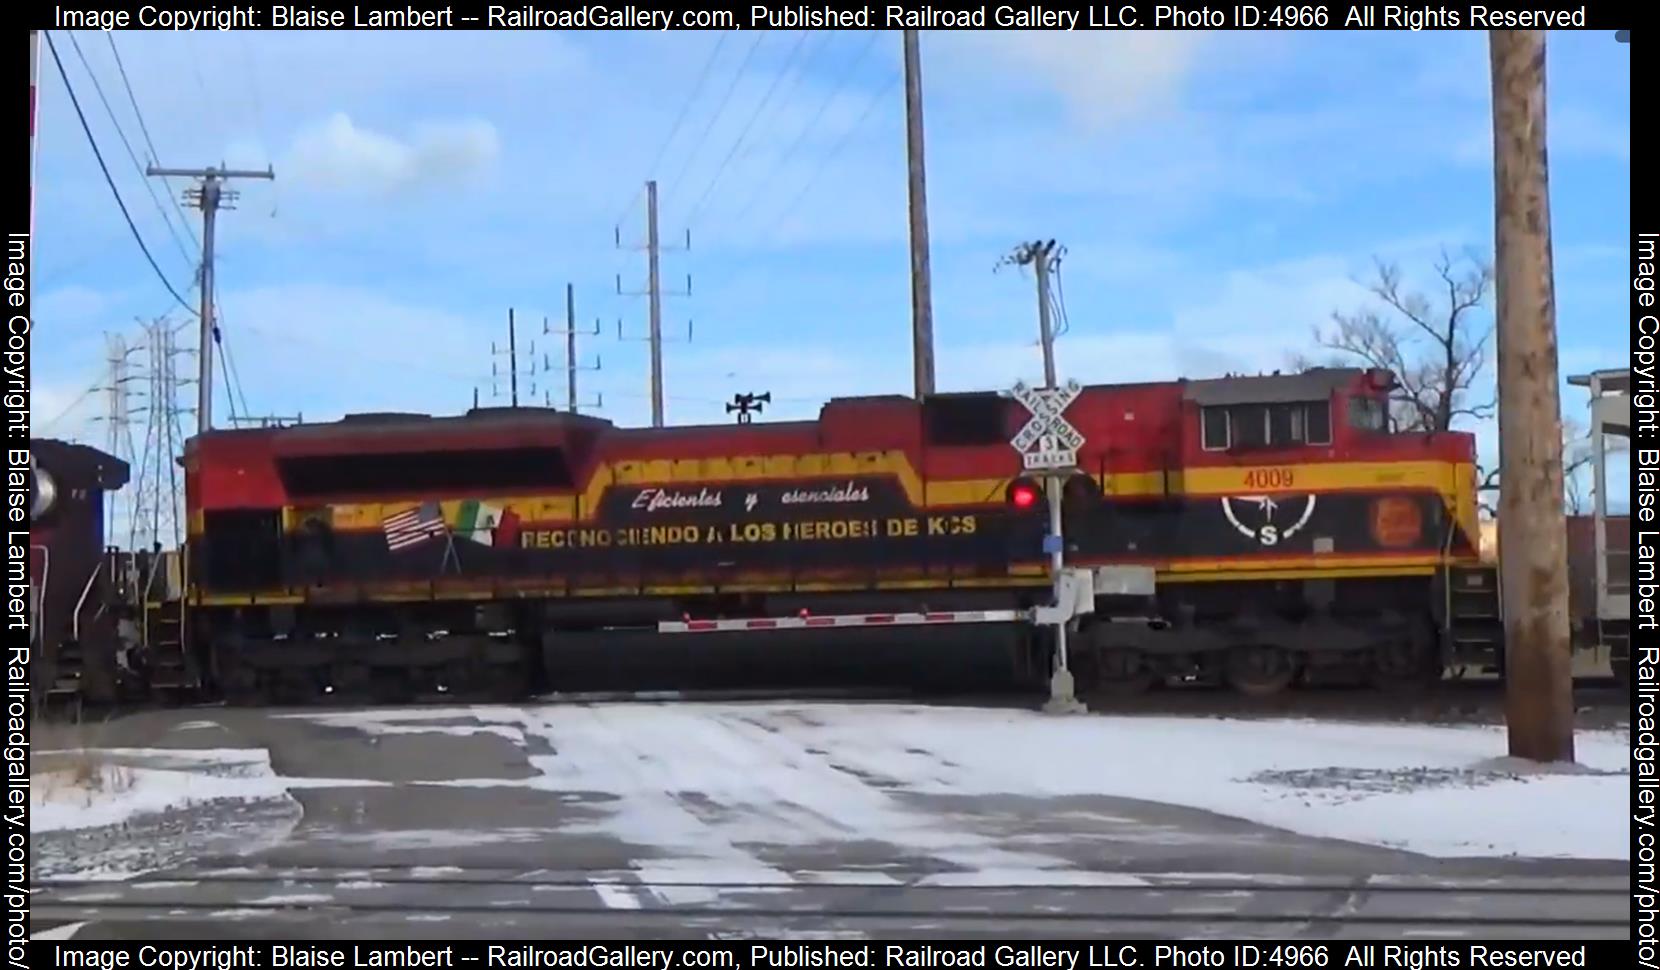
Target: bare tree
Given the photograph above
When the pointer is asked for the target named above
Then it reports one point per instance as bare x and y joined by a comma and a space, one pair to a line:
1578, 452
1436, 345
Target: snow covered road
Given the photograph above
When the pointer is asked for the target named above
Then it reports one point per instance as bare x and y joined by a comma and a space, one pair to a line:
706, 780
682, 804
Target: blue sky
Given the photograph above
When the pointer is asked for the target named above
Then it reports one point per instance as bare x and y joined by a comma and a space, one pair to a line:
1219, 194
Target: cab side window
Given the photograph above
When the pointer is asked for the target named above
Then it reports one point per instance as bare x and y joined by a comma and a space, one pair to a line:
1368, 414
1250, 426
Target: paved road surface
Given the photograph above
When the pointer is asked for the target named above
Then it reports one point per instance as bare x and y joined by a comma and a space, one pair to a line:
471, 823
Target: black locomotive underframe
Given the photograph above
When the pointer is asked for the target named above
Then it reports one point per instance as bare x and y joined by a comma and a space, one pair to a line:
1382, 628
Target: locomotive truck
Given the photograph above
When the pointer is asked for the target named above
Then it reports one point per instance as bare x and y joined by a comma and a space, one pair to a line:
1287, 532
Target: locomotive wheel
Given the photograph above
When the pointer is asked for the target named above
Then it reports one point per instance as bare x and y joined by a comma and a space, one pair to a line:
1404, 664
1260, 671
1122, 671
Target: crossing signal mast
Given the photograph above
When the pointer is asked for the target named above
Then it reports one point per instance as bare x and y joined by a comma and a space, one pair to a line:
1049, 445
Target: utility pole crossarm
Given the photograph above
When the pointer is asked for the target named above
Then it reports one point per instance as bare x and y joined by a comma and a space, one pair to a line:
156, 171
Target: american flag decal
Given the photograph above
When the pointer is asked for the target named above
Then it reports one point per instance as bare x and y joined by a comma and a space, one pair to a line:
414, 526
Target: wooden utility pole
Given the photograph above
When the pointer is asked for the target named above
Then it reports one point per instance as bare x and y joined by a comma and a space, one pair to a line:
210, 196
922, 300
34, 151
1533, 545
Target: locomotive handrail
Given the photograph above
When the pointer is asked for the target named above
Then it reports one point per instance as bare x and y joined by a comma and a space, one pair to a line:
40, 598
150, 579
1446, 580
144, 604
80, 604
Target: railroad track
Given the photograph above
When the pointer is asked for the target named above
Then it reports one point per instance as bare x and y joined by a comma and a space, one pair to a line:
1602, 698
345, 904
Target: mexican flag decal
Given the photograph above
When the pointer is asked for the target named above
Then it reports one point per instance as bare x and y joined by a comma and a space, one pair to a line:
477, 521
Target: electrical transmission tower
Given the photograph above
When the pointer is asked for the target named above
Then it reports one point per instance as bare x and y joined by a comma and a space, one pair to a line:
157, 499
119, 413
513, 365
654, 293
210, 196
570, 333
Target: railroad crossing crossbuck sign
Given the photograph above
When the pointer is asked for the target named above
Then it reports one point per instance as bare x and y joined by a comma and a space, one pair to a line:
1048, 442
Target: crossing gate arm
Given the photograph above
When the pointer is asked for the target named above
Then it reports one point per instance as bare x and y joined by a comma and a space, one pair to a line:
845, 620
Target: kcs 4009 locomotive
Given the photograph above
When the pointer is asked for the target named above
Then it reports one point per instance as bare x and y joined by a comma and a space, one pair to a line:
1291, 532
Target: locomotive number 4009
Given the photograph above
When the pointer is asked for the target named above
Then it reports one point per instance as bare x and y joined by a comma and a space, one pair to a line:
1269, 478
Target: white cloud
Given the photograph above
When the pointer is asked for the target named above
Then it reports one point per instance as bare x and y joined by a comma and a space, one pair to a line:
1102, 77
329, 349
341, 156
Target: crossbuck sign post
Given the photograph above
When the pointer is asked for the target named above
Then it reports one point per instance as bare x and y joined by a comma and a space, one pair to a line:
1049, 444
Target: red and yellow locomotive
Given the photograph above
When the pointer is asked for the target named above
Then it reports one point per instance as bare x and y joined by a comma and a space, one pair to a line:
1289, 529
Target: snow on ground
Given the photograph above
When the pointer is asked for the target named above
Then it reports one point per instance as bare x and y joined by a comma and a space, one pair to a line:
129, 783
798, 774
125, 790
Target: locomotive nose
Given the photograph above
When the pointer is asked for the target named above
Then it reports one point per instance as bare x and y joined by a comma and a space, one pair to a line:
43, 491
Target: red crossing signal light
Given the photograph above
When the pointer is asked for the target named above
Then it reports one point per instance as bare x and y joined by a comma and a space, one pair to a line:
1024, 495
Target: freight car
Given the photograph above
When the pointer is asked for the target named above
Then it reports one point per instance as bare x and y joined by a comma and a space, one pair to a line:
1292, 534
74, 636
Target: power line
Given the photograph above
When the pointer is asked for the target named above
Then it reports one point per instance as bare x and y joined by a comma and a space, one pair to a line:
235, 379
801, 136
685, 109
132, 156
224, 371
72, 405
743, 135
108, 180
820, 40
720, 110
132, 99
841, 143
1057, 301
145, 130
